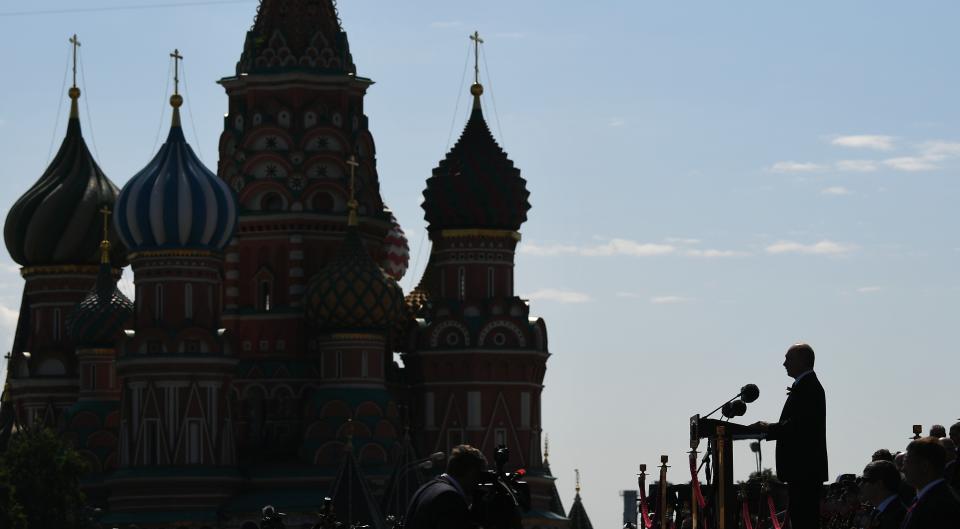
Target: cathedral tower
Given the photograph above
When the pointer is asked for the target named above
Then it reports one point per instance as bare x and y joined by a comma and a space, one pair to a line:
175, 217
478, 359
52, 232
295, 116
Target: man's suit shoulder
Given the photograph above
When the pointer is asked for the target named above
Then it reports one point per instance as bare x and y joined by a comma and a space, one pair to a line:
937, 509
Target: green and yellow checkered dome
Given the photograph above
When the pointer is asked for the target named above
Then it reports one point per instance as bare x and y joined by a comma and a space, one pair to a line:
353, 293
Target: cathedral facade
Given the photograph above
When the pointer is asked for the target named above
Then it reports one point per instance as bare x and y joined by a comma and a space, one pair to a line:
269, 355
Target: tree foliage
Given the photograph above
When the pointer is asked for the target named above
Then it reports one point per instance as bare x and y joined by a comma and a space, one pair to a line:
42, 472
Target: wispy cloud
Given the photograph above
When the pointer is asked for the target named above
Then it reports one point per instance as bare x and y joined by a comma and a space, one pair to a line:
668, 300
610, 248
835, 191
712, 253
869, 290
865, 141
558, 295
858, 166
911, 164
824, 247
796, 167
682, 240
616, 122
930, 154
446, 24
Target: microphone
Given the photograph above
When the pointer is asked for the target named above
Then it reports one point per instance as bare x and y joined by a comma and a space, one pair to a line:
735, 408
749, 393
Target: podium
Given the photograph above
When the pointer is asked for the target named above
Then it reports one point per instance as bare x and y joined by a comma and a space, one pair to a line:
720, 435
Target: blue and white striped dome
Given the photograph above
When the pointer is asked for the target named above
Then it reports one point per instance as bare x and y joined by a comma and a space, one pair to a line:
175, 202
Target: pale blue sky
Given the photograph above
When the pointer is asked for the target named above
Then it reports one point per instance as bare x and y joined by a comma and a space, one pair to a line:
710, 182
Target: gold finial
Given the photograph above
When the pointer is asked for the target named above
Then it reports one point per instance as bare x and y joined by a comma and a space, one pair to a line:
352, 204
577, 472
176, 100
476, 89
546, 449
105, 243
74, 91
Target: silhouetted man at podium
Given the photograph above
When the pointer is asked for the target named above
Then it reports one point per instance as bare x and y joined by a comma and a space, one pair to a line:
801, 435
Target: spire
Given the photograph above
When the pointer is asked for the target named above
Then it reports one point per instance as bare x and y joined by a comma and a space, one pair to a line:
476, 89
546, 451
74, 91
352, 498
352, 204
176, 100
578, 514
296, 35
577, 472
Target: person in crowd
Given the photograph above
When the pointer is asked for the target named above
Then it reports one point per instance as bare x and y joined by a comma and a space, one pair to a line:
444, 502
938, 431
801, 436
936, 505
950, 471
880, 487
882, 455
955, 434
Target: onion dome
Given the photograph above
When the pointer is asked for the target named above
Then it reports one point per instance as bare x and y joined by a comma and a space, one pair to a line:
100, 316
291, 35
476, 186
55, 221
175, 202
396, 251
352, 292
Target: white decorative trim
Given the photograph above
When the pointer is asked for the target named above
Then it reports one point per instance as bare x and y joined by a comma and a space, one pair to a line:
501, 323
435, 335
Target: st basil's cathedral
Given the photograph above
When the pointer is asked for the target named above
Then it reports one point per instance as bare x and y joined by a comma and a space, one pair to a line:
269, 354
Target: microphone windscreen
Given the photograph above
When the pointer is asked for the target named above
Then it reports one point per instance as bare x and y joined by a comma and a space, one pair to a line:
738, 407
749, 393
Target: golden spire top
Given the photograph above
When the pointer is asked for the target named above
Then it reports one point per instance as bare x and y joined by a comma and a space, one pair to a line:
546, 450
577, 472
74, 91
476, 89
353, 204
176, 100
105, 243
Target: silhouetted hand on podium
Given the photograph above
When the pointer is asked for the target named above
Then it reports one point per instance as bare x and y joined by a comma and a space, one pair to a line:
761, 426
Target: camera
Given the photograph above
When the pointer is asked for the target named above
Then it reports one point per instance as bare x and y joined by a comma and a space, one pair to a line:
500, 497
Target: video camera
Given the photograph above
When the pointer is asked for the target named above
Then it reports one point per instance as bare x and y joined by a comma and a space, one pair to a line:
500, 497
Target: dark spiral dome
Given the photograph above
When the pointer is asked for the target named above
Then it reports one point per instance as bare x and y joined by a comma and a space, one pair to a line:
476, 186
57, 221
352, 292
101, 314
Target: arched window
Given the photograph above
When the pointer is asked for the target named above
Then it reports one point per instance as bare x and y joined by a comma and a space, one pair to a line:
188, 301
265, 295
271, 202
56, 325
158, 302
322, 202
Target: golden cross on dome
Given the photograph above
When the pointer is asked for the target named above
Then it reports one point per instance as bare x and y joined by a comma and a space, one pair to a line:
105, 243
352, 204
577, 472
176, 70
76, 44
477, 41
105, 211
